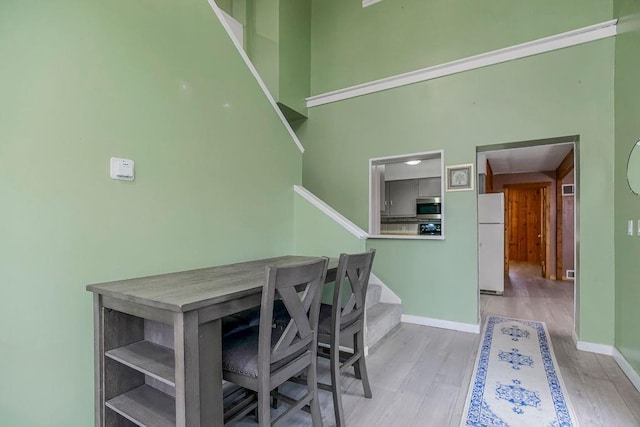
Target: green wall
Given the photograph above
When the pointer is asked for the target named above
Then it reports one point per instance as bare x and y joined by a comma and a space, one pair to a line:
566, 92
316, 234
295, 54
627, 205
263, 41
352, 45
277, 39
158, 82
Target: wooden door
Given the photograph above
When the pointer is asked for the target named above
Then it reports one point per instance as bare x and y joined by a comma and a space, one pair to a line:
524, 222
506, 231
543, 235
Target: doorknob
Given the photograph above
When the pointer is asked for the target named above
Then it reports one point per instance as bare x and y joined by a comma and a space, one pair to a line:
539, 235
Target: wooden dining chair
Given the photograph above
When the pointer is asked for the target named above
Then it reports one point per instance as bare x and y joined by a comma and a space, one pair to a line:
261, 358
345, 317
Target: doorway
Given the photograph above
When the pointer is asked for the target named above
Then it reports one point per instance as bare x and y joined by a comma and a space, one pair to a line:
527, 225
540, 233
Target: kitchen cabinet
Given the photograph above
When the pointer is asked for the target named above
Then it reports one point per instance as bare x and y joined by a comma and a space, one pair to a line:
401, 196
429, 187
398, 198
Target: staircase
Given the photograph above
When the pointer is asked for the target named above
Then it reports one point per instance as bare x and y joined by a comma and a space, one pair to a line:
381, 317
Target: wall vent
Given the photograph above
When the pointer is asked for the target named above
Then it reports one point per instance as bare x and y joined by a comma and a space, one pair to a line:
571, 274
568, 189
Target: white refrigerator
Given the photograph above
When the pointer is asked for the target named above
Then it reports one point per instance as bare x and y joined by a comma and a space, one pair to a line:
491, 243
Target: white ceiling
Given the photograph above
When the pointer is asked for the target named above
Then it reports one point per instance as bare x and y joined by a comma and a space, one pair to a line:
527, 159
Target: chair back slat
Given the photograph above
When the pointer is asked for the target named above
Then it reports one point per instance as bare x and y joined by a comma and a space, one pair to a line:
352, 277
299, 324
355, 274
300, 287
298, 306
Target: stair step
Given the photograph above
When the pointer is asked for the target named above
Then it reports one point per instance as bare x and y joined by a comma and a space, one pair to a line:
374, 292
381, 319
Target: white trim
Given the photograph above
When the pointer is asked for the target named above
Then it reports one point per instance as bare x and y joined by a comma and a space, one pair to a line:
387, 296
410, 156
263, 86
330, 212
628, 370
595, 348
444, 324
237, 29
405, 237
366, 3
523, 50
610, 350
374, 187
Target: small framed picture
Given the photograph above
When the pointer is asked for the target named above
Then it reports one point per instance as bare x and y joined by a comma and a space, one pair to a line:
460, 177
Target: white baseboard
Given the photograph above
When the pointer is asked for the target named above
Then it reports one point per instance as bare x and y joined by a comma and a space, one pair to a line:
595, 348
574, 336
628, 370
592, 347
444, 324
610, 350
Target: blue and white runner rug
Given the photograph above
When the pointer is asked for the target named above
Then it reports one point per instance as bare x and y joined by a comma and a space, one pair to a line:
516, 381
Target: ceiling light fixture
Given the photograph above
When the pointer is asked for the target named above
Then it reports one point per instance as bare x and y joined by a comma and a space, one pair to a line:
413, 162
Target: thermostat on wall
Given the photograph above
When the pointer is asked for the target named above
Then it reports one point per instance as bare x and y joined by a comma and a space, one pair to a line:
122, 169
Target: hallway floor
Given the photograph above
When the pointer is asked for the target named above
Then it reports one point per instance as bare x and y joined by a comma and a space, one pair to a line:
600, 392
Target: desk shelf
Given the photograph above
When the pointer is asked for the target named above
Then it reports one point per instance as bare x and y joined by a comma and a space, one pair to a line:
151, 359
145, 406
138, 374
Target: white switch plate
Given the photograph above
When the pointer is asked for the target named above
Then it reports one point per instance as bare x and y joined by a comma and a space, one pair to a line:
122, 169
638, 228
630, 228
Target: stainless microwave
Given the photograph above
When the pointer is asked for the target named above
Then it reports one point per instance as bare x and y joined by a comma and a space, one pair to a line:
429, 208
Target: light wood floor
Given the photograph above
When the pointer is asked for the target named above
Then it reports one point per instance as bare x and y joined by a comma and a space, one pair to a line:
420, 375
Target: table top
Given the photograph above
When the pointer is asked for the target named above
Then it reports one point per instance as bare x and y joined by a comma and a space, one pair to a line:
190, 290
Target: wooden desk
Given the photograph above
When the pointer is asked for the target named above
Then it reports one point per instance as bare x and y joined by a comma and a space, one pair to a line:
174, 380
